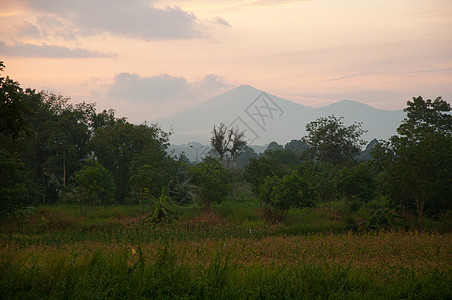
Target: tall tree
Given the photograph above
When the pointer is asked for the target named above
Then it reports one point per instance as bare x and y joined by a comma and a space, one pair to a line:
332, 142
13, 109
123, 148
417, 163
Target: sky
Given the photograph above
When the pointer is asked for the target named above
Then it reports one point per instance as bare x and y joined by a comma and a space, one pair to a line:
149, 59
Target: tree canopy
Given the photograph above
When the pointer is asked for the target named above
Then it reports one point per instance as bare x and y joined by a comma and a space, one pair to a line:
417, 163
13, 110
332, 142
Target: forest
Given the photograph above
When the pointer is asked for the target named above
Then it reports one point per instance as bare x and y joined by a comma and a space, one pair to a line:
86, 195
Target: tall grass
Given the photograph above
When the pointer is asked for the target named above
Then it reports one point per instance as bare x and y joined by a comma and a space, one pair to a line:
166, 271
229, 253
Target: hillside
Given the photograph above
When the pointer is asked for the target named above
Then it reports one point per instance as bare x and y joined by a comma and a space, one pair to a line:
267, 118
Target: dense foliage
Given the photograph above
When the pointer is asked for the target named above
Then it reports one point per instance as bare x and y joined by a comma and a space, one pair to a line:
331, 141
54, 151
213, 182
417, 163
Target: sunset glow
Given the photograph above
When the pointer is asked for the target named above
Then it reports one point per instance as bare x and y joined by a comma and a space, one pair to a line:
149, 59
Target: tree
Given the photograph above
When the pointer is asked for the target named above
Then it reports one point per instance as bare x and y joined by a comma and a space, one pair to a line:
13, 110
227, 143
332, 142
69, 139
296, 146
259, 169
244, 158
213, 182
357, 184
58, 140
323, 177
95, 185
16, 184
274, 146
265, 191
284, 157
141, 179
283, 194
366, 155
417, 163
123, 148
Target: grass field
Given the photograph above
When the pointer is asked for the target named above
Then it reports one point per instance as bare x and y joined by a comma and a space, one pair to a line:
231, 253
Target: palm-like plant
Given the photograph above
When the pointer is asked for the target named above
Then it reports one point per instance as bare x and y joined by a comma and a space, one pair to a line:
162, 207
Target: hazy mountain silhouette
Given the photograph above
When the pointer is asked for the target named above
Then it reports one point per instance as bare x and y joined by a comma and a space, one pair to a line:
267, 118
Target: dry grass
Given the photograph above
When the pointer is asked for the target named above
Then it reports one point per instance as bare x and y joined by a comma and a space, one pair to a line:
418, 251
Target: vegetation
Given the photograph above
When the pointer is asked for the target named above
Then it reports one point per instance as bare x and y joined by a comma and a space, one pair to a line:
111, 253
417, 164
213, 182
332, 142
93, 206
227, 143
280, 195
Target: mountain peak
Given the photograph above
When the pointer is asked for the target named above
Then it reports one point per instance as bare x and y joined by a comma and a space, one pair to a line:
346, 102
268, 118
242, 89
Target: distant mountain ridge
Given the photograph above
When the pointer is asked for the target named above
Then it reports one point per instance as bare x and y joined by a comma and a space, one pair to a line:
266, 118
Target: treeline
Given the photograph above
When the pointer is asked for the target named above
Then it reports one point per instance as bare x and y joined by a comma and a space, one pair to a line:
410, 174
56, 152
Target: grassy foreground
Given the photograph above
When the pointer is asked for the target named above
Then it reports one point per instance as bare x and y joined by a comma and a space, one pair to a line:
55, 256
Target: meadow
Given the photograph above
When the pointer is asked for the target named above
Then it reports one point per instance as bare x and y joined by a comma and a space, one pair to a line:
229, 253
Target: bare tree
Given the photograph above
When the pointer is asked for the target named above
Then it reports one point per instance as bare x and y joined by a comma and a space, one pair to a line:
227, 143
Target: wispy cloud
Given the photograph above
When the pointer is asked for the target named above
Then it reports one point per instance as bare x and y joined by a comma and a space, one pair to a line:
365, 74
47, 51
27, 29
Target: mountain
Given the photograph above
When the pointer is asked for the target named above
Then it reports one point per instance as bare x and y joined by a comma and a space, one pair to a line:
266, 118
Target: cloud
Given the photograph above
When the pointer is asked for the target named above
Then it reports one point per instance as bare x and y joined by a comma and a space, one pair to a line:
47, 51
220, 21
163, 88
271, 2
28, 29
132, 19
157, 88
56, 27
365, 74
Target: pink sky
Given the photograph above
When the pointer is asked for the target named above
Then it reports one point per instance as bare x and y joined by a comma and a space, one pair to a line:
147, 59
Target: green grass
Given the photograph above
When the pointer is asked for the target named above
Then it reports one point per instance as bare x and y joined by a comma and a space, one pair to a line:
239, 209
119, 274
307, 220
230, 253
